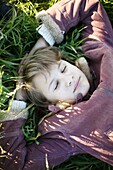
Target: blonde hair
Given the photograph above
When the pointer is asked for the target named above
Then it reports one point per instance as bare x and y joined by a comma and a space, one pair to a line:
33, 65
41, 61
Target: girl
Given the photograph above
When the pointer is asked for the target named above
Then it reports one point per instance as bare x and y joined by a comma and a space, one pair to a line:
85, 127
48, 79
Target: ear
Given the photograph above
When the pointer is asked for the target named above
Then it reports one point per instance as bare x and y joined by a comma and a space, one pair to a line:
83, 65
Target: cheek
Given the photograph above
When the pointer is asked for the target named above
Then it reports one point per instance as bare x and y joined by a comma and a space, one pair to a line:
46, 93
64, 95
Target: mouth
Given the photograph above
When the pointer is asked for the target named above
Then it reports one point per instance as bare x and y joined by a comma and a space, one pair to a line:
76, 85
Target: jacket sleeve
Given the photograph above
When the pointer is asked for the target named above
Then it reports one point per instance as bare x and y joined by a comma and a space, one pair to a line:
52, 150
82, 127
68, 13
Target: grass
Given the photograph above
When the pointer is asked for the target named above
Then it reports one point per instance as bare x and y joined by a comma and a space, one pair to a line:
17, 37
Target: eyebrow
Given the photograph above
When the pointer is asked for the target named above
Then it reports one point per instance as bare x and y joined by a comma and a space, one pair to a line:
51, 83
59, 65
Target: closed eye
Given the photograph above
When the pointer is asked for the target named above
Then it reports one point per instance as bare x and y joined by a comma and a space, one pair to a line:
56, 85
64, 69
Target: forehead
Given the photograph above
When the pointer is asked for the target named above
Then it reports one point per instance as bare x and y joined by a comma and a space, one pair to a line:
45, 76
42, 78
50, 72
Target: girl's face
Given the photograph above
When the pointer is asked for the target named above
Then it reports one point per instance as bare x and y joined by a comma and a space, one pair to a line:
63, 82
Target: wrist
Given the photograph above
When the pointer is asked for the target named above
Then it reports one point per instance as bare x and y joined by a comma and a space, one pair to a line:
41, 43
18, 105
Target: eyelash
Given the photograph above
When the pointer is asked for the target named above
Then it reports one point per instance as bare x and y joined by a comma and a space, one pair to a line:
64, 69
57, 84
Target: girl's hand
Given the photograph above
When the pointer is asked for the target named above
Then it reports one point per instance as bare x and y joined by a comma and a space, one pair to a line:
41, 43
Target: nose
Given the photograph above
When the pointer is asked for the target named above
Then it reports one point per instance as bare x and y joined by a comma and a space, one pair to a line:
69, 80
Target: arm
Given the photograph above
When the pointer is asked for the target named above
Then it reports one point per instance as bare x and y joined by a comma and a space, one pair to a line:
82, 126
53, 147
65, 14
82, 121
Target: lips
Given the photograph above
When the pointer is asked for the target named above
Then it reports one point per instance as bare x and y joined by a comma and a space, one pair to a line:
76, 85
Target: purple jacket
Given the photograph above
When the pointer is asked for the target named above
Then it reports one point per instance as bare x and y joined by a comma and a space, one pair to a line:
86, 127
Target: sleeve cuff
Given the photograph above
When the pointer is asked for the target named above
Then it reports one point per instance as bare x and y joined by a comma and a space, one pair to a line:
42, 30
18, 105
51, 26
17, 109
